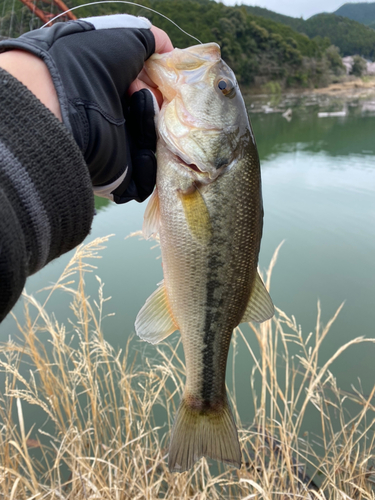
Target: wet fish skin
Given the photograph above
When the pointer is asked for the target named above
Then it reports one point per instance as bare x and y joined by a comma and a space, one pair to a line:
207, 208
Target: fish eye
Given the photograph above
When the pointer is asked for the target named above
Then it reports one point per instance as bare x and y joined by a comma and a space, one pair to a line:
222, 84
226, 86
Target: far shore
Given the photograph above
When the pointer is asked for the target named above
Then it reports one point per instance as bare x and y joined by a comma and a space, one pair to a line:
360, 87
356, 86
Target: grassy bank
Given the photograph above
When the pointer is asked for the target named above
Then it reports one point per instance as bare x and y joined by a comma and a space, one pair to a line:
100, 439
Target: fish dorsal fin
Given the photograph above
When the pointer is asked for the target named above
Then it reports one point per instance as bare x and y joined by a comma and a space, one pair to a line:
151, 220
196, 214
154, 321
260, 306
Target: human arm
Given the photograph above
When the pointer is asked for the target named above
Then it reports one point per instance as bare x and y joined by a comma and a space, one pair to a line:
46, 199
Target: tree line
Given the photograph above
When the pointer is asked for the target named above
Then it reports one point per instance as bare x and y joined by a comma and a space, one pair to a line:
350, 36
259, 49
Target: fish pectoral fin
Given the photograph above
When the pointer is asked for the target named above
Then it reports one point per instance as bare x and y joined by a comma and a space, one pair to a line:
260, 306
154, 321
151, 221
196, 214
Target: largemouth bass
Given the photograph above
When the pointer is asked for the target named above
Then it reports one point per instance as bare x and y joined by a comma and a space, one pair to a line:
207, 208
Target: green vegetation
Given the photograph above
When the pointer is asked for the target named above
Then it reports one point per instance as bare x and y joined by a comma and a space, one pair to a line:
294, 22
359, 66
362, 12
334, 60
100, 438
349, 36
260, 46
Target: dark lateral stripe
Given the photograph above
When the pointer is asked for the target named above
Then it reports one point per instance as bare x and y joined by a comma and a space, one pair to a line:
208, 359
213, 307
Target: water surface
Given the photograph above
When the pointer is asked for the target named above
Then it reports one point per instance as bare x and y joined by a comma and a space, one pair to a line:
318, 190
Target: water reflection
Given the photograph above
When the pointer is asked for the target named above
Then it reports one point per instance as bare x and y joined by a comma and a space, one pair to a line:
352, 134
101, 203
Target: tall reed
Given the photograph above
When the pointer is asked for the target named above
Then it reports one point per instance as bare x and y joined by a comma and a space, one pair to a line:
100, 439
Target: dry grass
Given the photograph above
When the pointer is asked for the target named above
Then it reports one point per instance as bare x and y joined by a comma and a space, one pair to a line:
100, 440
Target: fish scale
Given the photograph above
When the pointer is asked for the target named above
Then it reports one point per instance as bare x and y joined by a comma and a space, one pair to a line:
207, 209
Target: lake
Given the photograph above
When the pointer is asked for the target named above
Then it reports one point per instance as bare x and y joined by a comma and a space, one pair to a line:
318, 189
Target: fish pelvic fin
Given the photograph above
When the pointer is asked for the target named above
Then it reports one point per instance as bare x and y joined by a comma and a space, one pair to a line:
154, 321
202, 432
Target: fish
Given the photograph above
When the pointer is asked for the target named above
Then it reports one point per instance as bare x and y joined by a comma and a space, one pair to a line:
207, 210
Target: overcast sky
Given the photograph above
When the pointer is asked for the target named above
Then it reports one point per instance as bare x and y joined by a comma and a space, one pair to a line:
295, 8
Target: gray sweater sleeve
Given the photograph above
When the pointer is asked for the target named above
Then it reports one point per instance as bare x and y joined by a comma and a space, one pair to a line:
46, 199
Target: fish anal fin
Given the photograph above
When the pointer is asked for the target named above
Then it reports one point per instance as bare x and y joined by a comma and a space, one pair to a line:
196, 214
260, 306
198, 433
151, 220
154, 321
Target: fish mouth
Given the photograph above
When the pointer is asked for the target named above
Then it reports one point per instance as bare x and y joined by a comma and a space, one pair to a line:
190, 166
195, 172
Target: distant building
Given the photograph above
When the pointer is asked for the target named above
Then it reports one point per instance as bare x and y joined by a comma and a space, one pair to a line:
370, 68
348, 63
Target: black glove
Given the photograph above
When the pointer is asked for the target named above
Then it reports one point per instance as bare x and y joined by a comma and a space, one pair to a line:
92, 62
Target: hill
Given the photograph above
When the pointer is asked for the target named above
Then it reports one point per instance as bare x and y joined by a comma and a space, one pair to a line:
350, 36
293, 22
362, 12
259, 49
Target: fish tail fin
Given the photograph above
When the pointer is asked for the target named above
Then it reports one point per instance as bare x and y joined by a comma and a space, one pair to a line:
200, 433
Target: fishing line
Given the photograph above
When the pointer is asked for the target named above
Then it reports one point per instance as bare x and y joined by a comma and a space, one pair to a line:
126, 2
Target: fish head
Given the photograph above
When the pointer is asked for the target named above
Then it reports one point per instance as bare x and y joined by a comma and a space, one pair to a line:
203, 120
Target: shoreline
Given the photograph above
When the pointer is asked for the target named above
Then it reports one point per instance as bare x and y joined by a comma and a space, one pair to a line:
357, 87
352, 87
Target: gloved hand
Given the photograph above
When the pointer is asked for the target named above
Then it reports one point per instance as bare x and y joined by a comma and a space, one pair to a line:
93, 62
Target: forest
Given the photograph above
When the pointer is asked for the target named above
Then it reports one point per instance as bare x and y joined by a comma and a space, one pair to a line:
349, 34
260, 46
363, 12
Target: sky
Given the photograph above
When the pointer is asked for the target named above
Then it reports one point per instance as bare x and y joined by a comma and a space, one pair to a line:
295, 8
